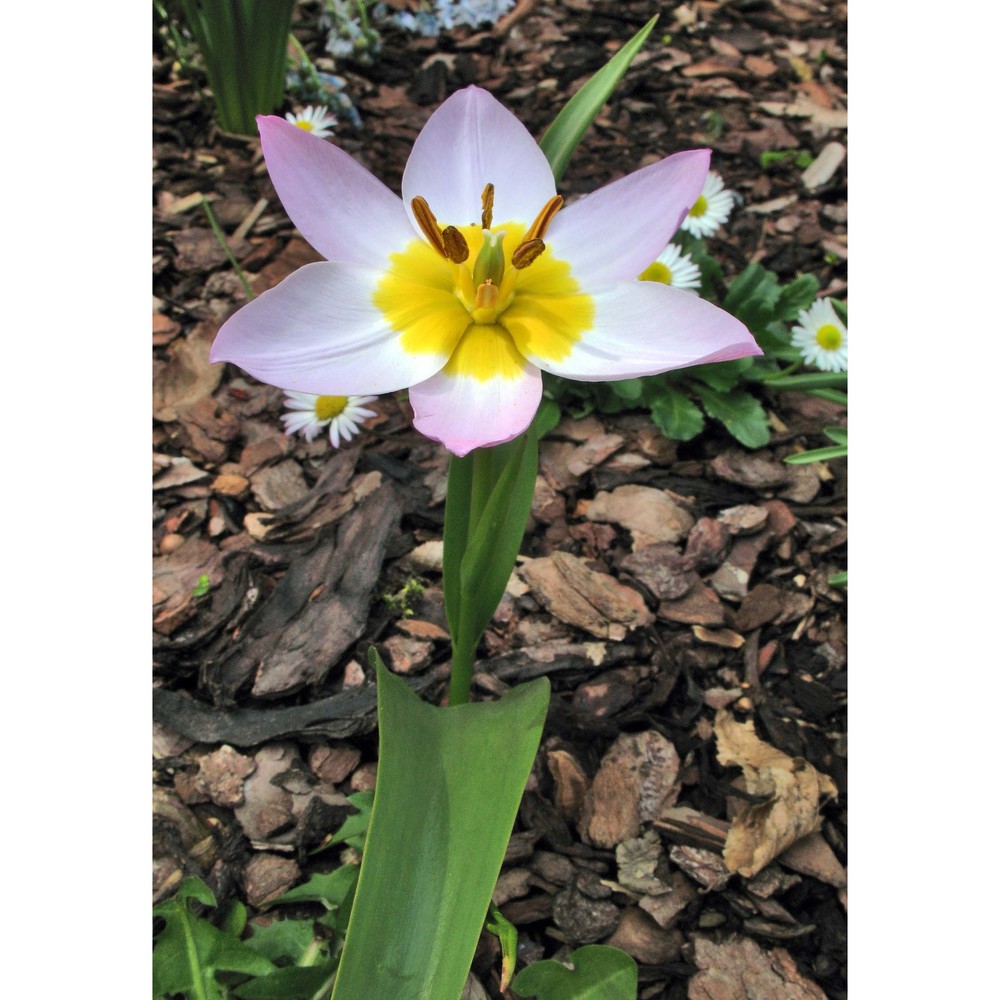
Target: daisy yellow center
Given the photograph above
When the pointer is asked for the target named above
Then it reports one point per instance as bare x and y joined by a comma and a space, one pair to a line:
328, 407
305, 124
829, 337
657, 271
484, 297
699, 208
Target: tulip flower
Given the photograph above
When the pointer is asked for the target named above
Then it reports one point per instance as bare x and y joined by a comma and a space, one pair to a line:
476, 281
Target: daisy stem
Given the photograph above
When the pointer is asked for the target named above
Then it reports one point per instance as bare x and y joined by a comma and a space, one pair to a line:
221, 237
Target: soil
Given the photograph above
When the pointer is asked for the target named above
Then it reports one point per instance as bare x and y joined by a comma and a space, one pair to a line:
279, 562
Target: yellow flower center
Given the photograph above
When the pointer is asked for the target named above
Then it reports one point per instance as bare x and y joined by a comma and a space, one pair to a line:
305, 124
484, 296
328, 407
829, 337
657, 271
699, 208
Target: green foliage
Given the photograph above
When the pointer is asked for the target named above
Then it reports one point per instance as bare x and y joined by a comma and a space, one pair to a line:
443, 812
838, 435
489, 498
598, 973
565, 133
401, 603
243, 44
506, 933
190, 951
202, 587
772, 157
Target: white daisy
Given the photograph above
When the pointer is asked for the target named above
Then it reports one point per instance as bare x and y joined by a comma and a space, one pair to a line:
821, 337
673, 268
711, 209
316, 119
310, 414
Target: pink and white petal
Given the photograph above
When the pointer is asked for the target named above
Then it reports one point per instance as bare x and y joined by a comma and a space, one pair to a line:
463, 412
615, 233
470, 141
318, 331
645, 328
343, 211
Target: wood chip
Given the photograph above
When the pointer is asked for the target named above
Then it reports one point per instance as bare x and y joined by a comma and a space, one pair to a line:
577, 595
737, 968
650, 514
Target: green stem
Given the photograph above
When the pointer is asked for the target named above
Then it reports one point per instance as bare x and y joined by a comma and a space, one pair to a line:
198, 976
221, 237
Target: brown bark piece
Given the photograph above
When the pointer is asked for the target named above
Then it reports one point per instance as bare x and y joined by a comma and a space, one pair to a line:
638, 777
662, 569
794, 792
334, 764
744, 519
407, 655
176, 575
812, 855
577, 595
267, 876
739, 969
699, 606
571, 783
222, 773
641, 863
639, 936
754, 470
186, 376
762, 605
280, 485
666, 908
650, 514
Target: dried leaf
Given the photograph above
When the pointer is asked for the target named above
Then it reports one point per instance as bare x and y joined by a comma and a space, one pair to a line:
794, 792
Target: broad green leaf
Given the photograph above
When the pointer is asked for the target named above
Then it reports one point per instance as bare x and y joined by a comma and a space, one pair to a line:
676, 415
506, 934
282, 939
840, 308
741, 414
565, 133
599, 973
291, 984
711, 270
628, 389
720, 376
353, 830
190, 950
449, 784
547, 417
817, 455
752, 297
235, 920
796, 296
328, 888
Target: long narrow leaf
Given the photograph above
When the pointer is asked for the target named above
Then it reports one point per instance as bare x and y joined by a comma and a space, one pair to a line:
442, 817
565, 133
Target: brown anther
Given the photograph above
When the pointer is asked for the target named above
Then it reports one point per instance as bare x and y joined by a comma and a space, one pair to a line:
544, 219
428, 224
455, 247
487, 295
527, 252
487, 206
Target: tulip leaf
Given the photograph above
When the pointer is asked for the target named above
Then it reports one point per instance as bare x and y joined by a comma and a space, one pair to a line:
598, 973
565, 133
442, 817
836, 434
817, 455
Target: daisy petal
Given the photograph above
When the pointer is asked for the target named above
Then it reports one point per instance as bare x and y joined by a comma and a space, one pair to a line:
463, 409
470, 141
616, 232
644, 328
319, 332
337, 205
